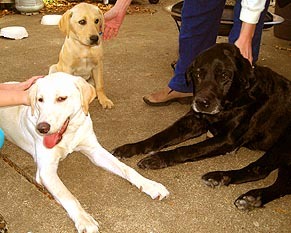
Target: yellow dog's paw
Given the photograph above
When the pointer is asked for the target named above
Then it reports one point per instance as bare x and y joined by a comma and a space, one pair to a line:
106, 103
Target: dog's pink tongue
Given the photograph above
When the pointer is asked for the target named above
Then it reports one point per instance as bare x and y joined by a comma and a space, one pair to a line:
51, 140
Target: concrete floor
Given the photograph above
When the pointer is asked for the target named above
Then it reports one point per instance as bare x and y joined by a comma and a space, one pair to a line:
136, 62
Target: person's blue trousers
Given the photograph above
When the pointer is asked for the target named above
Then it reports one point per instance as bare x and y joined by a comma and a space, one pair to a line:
199, 28
1, 138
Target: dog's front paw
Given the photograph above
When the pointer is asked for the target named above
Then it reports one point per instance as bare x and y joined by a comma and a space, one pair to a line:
86, 224
125, 151
106, 103
249, 201
154, 190
152, 162
216, 178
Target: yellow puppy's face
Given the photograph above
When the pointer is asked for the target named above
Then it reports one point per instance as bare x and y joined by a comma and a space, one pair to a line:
85, 23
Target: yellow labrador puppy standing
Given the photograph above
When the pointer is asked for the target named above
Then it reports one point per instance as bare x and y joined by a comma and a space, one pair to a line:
82, 51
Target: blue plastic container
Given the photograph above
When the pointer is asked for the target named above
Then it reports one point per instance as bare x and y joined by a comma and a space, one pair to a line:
1, 138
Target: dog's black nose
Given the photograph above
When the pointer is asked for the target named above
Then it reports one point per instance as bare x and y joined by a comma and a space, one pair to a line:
94, 38
43, 127
202, 103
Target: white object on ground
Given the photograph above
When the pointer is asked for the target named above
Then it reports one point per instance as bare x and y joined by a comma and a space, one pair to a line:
51, 19
14, 32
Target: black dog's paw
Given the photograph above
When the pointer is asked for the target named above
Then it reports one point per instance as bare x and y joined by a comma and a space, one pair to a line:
249, 201
125, 151
216, 178
152, 162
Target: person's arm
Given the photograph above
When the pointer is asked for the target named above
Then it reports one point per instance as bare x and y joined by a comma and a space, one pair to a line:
12, 94
114, 18
249, 15
12, 98
244, 41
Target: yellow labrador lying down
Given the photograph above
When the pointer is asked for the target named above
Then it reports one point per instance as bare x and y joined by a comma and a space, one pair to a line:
82, 51
58, 123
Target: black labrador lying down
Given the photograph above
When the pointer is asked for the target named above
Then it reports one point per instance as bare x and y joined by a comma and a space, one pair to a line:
242, 107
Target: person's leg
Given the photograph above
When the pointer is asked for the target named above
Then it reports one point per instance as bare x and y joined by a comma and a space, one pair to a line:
200, 22
199, 27
235, 31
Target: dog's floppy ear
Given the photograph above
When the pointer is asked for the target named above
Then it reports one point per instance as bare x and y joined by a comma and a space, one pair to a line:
64, 23
102, 23
87, 92
189, 76
32, 97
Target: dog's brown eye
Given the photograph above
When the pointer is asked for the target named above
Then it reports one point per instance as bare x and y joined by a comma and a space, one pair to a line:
96, 21
61, 98
82, 22
40, 100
